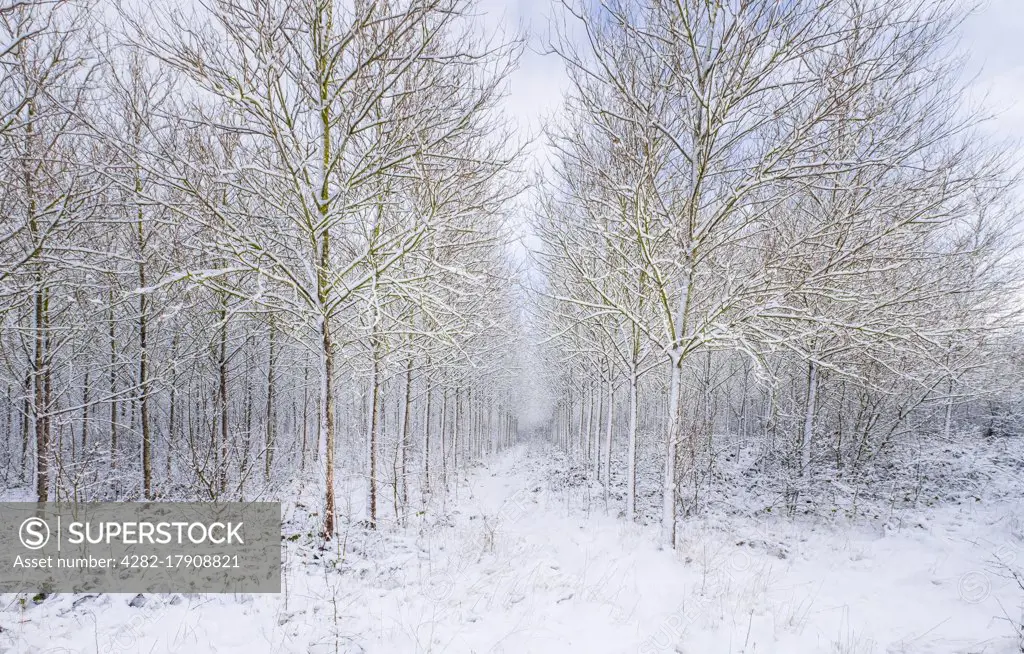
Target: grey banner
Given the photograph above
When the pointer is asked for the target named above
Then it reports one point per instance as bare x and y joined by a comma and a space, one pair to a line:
159, 547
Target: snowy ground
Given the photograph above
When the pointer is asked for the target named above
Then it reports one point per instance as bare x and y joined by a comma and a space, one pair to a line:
527, 565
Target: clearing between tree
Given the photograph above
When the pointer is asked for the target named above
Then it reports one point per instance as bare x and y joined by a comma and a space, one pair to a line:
530, 563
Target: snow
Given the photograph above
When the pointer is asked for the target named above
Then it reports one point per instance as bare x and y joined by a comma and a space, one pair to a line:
530, 561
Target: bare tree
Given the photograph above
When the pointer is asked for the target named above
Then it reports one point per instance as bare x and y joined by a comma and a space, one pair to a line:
701, 137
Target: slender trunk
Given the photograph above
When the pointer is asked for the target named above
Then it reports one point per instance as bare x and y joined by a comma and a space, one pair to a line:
631, 453
172, 422
247, 440
26, 423
147, 435
567, 417
808, 434
48, 384
40, 360
947, 426
322, 28
490, 432
113, 382
222, 396
405, 444
327, 423
86, 401
9, 425
395, 474
455, 440
373, 435
595, 427
444, 437
41, 374
426, 439
305, 414
679, 330
668, 501
608, 439
271, 410
563, 436
581, 434
471, 427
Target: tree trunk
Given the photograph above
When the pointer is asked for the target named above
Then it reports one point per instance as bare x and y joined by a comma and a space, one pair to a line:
581, 435
455, 440
323, 21
404, 444
596, 415
327, 423
372, 441
305, 414
608, 440
222, 396
668, 500
631, 454
26, 423
271, 409
426, 440
243, 466
41, 374
172, 422
808, 433
113, 383
147, 435
947, 423
444, 437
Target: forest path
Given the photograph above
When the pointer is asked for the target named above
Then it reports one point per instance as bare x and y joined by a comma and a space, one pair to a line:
529, 561
534, 563
538, 568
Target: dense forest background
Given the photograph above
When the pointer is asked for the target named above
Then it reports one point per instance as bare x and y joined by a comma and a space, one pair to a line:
244, 243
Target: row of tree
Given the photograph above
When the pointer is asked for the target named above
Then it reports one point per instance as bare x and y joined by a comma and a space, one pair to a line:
251, 241
251, 238
771, 222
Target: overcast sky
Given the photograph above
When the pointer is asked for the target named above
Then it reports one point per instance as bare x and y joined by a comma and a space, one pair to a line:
993, 39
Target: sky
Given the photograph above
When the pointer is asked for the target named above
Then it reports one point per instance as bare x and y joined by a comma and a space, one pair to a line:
537, 86
992, 38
